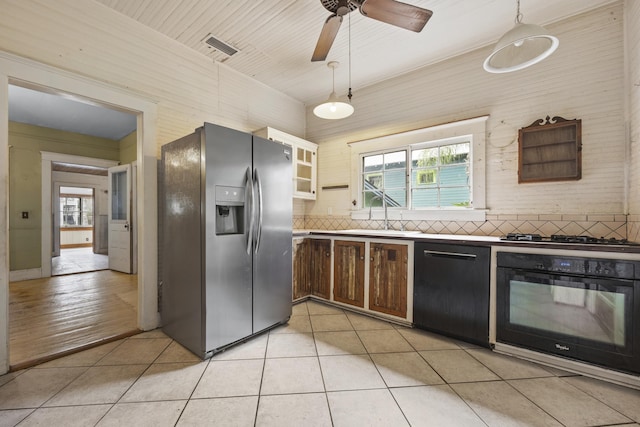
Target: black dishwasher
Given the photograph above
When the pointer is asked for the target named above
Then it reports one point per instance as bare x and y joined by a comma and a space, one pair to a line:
451, 290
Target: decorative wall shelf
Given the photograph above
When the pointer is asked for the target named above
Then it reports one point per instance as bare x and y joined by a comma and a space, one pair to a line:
550, 149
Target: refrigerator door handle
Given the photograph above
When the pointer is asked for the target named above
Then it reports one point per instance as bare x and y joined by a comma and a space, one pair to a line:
249, 209
259, 210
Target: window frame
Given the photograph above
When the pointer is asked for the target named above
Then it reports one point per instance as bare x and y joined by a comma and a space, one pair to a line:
81, 211
381, 173
409, 185
472, 130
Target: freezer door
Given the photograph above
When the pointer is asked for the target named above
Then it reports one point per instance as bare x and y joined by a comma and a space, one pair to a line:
228, 285
182, 310
272, 247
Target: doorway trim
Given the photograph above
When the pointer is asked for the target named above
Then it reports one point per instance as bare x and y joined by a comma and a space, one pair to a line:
29, 73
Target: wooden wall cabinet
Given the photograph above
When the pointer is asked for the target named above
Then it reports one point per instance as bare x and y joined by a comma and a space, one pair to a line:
348, 272
388, 267
550, 150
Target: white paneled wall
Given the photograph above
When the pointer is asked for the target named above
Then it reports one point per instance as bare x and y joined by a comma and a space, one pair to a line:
91, 39
583, 79
632, 23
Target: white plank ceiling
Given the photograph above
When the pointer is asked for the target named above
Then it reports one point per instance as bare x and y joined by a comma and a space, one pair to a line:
276, 38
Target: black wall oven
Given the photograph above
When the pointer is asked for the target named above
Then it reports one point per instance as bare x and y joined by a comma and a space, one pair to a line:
586, 309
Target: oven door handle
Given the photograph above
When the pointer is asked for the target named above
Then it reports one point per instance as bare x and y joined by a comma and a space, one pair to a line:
449, 254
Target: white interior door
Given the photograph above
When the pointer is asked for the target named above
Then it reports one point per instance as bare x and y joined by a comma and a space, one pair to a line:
120, 218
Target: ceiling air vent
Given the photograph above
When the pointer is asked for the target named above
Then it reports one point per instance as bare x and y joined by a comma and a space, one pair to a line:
218, 44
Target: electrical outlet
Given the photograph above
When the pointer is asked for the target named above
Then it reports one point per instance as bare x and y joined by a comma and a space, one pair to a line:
25, 215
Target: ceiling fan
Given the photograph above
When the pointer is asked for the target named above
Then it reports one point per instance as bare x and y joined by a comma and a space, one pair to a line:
392, 12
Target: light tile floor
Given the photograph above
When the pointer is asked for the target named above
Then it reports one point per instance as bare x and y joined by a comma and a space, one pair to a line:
326, 367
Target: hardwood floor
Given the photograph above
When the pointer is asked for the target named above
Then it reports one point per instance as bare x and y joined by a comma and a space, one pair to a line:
78, 260
58, 315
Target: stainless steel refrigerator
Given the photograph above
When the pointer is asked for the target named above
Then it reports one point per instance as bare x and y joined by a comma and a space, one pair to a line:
225, 230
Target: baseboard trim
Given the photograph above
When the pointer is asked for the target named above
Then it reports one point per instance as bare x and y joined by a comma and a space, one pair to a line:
20, 275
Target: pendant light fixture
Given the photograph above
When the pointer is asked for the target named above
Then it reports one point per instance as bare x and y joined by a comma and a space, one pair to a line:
520, 47
333, 108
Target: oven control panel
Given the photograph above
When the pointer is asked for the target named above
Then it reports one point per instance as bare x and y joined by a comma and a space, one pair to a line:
596, 267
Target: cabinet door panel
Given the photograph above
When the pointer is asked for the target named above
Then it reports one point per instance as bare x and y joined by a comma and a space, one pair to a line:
301, 271
348, 277
388, 279
320, 267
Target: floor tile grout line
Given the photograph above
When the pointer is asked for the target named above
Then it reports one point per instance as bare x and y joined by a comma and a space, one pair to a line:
324, 385
480, 362
434, 369
468, 405
207, 362
594, 397
64, 387
264, 365
128, 388
387, 387
528, 399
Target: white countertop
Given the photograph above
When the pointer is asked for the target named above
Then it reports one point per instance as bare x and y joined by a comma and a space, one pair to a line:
414, 235
417, 236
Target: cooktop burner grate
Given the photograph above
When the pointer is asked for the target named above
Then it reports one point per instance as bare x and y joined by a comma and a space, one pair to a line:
561, 238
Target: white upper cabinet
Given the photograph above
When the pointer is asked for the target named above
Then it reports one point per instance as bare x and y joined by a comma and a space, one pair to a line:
304, 158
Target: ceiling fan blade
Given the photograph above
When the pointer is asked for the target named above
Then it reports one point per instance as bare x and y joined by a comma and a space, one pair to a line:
396, 13
327, 36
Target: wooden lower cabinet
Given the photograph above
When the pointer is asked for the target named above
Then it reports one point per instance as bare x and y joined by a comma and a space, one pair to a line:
301, 271
320, 267
386, 290
311, 267
348, 272
388, 267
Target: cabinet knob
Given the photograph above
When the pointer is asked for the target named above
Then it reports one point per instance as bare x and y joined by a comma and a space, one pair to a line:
327, 254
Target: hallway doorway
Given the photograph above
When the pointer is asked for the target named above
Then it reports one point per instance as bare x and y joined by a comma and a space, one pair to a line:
80, 241
28, 73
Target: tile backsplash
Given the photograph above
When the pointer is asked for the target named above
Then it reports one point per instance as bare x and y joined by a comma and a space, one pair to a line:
608, 225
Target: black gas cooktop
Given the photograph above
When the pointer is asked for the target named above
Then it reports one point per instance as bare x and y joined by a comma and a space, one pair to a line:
561, 238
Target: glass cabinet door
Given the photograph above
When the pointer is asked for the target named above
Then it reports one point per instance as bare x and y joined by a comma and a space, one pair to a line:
304, 171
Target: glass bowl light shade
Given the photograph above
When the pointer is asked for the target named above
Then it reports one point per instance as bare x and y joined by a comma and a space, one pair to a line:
333, 108
521, 47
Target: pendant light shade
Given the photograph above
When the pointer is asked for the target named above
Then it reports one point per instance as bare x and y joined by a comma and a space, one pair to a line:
521, 47
333, 108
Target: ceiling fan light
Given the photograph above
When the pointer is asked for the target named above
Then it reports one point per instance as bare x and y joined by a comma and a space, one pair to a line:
333, 108
522, 46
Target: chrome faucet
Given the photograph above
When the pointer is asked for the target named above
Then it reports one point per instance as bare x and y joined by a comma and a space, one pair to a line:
384, 203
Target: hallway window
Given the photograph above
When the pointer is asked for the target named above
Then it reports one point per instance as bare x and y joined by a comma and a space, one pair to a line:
76, 210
